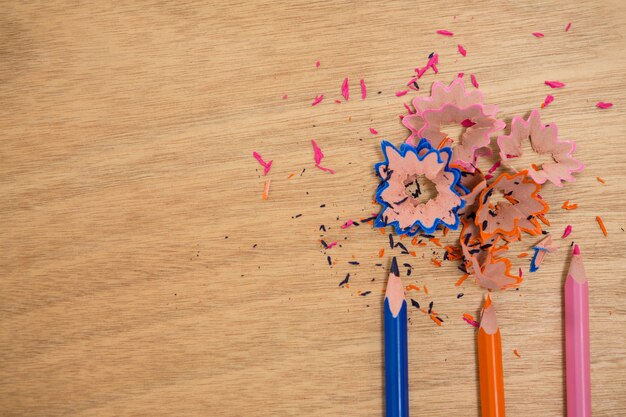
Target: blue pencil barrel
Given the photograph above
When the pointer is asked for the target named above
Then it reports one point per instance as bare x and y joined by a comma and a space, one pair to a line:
396, 363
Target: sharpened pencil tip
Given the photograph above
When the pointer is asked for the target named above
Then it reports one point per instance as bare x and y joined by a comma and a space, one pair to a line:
488, 321
487, 302
394, 267
576, 250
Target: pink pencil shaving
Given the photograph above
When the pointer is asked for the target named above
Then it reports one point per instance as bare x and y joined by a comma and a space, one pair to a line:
266, 165
474, 82
472, 322
347, 224
445, 32
554, 84
345, 92
412, 84
317, 99
319, 155
567, 231
432, 63
549, 99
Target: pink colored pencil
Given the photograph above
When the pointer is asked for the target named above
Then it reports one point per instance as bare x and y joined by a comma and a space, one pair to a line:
577, 368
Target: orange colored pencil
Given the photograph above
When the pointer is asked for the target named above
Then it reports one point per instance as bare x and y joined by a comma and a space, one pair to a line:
490, 363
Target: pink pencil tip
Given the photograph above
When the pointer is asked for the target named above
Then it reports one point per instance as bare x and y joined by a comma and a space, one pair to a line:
576, 250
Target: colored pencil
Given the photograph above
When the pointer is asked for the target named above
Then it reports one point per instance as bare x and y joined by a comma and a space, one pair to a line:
577, 368
396, 349
490, 363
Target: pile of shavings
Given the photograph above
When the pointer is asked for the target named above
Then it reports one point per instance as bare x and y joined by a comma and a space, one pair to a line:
491, 212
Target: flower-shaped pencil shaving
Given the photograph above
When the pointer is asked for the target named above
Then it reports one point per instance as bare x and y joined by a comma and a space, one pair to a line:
516, 212
471, 185
403, 209
544, 141
474, 183
454, 105
493, 273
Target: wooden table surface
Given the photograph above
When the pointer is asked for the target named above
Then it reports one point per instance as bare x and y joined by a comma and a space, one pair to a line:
142, 274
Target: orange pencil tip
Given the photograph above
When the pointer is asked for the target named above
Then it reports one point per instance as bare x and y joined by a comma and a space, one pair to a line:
487, 302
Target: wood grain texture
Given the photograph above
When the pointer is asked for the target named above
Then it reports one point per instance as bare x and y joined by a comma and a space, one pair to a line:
131, 205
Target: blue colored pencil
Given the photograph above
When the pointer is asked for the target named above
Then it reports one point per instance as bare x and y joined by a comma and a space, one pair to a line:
396, 351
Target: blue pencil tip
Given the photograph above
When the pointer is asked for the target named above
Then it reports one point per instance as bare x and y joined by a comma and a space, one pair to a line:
394, 267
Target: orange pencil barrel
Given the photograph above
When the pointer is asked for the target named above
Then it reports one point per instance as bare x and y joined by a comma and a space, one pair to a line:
490, 364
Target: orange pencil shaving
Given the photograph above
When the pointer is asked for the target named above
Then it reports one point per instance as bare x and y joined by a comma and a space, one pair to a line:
436, 262
567, 206
460, 281
266, 189
510, 199
382, 230
490, 363
426, 289
290, 176
412, 287
414, 241
435, 241
543, 219
413, 253
435, 319
601, 180
445, 231
516, 353
522, 255
381, 252
453, 253
601, 224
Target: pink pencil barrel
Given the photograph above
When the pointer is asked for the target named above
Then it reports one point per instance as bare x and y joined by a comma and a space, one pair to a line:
578, 372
